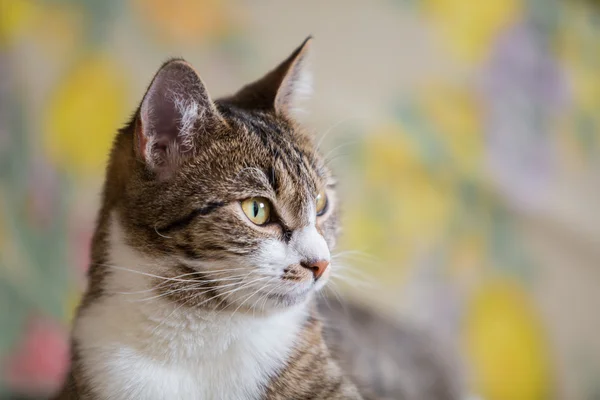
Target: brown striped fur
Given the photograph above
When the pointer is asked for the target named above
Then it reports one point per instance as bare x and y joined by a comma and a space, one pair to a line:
176, 197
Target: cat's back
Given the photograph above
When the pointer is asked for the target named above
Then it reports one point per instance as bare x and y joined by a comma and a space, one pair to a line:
386, 359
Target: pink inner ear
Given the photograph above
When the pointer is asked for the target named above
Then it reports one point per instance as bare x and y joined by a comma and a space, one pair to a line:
160, 116
172, 110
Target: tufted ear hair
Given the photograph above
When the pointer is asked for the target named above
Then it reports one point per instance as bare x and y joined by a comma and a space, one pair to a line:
175, 110
280, 89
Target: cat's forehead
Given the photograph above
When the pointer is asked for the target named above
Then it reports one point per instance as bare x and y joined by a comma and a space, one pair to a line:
262, 154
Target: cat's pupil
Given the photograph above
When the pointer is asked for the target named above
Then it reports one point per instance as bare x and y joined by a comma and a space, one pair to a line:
255, 210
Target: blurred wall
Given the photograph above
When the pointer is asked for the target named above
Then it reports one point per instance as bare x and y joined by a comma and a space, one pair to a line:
466, 135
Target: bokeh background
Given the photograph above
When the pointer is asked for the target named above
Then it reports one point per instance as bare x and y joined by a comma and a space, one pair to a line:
466, 134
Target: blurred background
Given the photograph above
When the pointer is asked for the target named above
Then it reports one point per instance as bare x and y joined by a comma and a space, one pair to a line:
466, 135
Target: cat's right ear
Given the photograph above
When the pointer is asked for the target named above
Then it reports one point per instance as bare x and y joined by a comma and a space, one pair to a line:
175, 110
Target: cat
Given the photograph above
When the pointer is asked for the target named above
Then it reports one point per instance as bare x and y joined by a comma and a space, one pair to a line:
216, 228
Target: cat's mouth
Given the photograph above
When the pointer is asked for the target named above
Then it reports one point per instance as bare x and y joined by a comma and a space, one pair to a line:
253, 286
289, 296
296, 284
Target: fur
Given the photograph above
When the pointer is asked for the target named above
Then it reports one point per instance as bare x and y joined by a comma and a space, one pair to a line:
147, 349
189, 299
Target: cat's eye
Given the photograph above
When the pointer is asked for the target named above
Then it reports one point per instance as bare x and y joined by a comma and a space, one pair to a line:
321, 203
257, 209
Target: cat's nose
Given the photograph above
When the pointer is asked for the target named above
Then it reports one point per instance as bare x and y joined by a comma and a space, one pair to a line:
317, 267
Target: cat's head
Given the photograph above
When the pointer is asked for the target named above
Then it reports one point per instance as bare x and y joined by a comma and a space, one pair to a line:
230, 198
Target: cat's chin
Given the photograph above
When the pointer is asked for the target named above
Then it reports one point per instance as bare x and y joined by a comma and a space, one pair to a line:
283, 300
280, 301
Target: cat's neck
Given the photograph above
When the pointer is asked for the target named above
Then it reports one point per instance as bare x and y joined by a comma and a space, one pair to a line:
128, 329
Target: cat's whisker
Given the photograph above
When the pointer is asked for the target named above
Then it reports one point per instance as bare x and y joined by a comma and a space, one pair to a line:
332, 128
164, 283
266, 296
356, 253
249, 297
335, 290
221, 302
350, 268
197, 290
241, 287
345, 266
356, 261
346, 312
141, 273
341, 146
175, 279
329, 161
348, 271
353, 282
233, 291
223, 270
352, 272
324, 297
198, 286
203, 302
241, 278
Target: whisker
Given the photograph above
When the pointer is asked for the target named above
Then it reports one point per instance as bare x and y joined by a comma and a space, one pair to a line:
249, 297
203, 302
187, 289
142, 273
241, 287
335, 290
353, 282
334, 126
359, 274
324, 296
352, 334
198, 285
356, 262
329, 161
263, 296
341, 146
175, 279
231, 278
356, 253
266, 295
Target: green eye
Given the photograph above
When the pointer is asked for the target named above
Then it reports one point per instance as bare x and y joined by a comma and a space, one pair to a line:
321, 203
257, 209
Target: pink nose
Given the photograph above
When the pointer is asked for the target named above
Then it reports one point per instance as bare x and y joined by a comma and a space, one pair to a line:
317, 267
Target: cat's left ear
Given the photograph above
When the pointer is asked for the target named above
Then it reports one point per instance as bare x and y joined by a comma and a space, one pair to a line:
282, 88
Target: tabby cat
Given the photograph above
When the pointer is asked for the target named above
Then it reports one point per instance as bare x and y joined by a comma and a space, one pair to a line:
215, 232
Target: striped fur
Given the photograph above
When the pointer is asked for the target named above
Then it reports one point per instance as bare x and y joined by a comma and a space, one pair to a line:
175, 260
187, 298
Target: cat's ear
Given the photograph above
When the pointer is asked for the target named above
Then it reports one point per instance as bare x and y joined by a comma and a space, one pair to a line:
283, 87
175, 110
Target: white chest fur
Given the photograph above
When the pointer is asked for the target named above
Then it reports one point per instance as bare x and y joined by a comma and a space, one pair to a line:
133, 349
